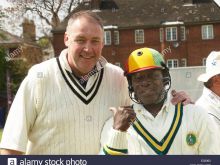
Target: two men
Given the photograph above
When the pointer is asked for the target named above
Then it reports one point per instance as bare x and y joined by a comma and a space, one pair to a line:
152, 125
62, 104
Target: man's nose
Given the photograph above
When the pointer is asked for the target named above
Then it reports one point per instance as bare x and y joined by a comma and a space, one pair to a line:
88, 47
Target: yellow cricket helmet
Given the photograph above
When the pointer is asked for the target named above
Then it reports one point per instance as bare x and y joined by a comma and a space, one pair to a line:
143, 59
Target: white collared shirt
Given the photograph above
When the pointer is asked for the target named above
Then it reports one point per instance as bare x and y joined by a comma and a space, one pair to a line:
195, 132
53, 114
211, 102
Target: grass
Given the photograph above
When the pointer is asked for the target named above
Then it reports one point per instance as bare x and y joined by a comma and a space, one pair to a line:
0, 134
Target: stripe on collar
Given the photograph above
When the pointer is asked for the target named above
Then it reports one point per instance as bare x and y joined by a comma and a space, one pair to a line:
85, 97
161, 147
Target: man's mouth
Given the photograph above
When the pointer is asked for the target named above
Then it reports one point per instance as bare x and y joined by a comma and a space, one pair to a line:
147, 91
86, 57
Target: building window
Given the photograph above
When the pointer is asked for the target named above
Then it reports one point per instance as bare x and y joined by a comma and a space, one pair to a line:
172, 63
118, 64
116, 37
161, 35
139, 36
183, 62
107, 38
204, 61
113, 52
207, 32
171, 33
182, 33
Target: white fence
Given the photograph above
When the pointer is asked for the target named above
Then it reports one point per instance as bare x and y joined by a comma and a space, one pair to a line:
185, 78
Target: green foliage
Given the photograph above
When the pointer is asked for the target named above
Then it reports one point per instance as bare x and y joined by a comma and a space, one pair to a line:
17, 69
2, 15
3, 36
43, 42
1, 134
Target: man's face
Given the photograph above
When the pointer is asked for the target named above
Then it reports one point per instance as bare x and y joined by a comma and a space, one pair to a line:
84, 40
148, 86
216, 85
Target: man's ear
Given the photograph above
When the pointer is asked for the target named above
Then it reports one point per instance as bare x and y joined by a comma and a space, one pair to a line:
103, 44
66, 39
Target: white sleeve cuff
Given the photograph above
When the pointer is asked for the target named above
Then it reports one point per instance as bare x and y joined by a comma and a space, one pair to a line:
117, 140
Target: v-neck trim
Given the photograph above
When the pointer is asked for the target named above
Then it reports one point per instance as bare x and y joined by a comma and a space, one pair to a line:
161, 147
85, 96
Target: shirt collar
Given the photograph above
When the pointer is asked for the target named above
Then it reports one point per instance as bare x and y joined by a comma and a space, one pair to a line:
211, 97
63, 60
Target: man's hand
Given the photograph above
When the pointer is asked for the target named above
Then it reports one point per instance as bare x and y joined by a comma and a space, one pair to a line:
180, 96
123, 117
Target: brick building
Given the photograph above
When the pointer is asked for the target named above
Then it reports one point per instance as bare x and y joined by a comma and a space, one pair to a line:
22, 48
185, 31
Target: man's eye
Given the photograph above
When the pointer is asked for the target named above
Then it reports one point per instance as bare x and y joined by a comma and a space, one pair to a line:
95, 41
139, 78
80, 41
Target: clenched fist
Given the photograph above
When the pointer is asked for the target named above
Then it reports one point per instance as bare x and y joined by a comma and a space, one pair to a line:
123, 117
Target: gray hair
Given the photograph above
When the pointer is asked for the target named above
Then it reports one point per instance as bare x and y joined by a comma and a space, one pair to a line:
87, 14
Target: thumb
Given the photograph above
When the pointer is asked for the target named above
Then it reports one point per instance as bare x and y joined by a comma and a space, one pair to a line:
113, 109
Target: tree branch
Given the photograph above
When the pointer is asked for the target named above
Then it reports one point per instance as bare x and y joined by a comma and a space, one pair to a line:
70, 6
60, 4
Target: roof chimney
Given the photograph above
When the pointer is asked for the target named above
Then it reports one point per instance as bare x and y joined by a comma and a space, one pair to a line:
29, 32
96, 4
93, 4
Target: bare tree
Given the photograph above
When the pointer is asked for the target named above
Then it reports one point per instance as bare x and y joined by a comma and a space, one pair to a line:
48, 13
51, 11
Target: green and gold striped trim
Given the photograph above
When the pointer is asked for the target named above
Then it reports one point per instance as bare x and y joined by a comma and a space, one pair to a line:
112, 151
161, 147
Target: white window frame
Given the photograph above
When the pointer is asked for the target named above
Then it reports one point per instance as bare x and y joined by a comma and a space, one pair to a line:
203, 61
183, 62
116, 37
207, 32
161, 35
139, 36
113, 52
173, 34
107, 38
182, 33
174, 63
118, 64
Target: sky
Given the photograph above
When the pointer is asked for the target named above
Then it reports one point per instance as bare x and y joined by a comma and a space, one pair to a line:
217, 1
18, 30
4, 3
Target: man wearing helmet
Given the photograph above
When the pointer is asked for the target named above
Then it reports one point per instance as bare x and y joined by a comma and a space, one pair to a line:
153, 125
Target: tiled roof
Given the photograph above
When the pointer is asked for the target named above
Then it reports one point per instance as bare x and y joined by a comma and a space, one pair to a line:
7, 38
151, 13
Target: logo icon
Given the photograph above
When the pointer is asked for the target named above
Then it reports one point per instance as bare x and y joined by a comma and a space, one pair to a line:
12, 161
191, 139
